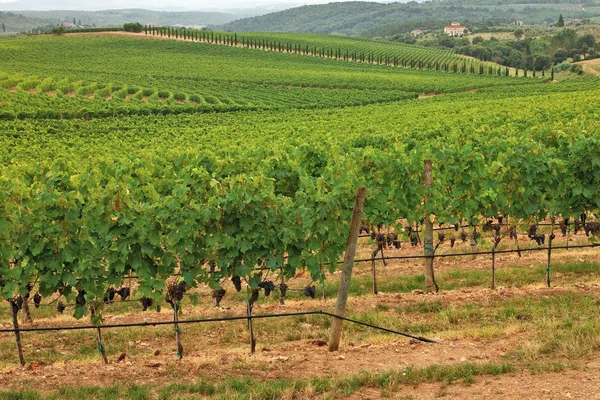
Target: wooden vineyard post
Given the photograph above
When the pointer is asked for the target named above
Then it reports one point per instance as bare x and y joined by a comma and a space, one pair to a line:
177, 332
101, 345
374, 271
15, 320
550, 238
250, 330
430, 285
342, 297
494, 260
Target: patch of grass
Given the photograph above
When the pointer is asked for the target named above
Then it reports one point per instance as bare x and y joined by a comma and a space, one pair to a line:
246, 388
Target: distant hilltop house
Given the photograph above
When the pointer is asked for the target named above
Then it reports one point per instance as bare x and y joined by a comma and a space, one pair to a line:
519, 23
455, 29
416, 32
69, 25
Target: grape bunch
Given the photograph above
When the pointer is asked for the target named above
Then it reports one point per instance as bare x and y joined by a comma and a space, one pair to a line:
37, 299
490, 226
237, 282
564, 225
539, 239
283, 289
452, 241
175, 292
146, 303
16, 303
414, 240
124, 292
512, 232
254, 296
268, 286
80, 299
109, 296
532, 231
29, 287
392, 240
60, 307
577, 227
218, 295
463, 236
441, 237
592, 227
309, 291
475, 236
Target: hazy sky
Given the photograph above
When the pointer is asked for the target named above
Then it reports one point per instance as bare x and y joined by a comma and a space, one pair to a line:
159, 4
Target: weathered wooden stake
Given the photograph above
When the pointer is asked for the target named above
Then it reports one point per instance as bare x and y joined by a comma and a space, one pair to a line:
494, 261
101, 345
550, 238
15, 321
430, 285
342, 297
177, 332
373, 269
250, 330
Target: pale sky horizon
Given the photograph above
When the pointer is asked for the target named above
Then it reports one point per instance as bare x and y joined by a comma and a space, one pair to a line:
197, 5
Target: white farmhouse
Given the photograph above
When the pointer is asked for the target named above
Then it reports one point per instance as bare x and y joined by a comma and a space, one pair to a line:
455, 29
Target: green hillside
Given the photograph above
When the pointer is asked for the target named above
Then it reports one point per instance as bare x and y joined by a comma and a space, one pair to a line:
18, 22
356, 18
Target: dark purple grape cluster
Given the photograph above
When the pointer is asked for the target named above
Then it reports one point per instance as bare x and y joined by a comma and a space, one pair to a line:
254, 296
441, 237
29, 287
564, 226
60, 307
463, 236
16, 303
80, 299
109, 296
577, 226
237, 282
218, 295
124, 293
175, 293
452, 241
37, 299
512, 232
592, 227
532, 231
268, 286
283, 289
392, 240
146, 303
309, 291
475, 236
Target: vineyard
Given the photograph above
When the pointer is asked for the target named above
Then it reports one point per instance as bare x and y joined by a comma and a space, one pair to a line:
178, 175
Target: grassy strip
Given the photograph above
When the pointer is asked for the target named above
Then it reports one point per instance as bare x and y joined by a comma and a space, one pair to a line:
236, 388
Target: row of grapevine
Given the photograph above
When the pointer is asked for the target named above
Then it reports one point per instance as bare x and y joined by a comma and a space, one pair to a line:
342, 48
87, 203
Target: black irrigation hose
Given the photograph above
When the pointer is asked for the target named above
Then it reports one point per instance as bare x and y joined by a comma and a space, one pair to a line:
222, 319
422, 339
